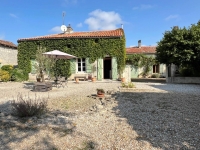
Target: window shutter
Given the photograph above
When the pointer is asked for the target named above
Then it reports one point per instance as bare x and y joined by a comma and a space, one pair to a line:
88, 66
100, 69
114, 68
73, 65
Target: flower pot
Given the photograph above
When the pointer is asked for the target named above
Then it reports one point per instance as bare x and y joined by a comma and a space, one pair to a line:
93, 79
77, 80
123, 79
100, 94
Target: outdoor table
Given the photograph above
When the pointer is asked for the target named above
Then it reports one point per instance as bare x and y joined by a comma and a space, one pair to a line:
42, 86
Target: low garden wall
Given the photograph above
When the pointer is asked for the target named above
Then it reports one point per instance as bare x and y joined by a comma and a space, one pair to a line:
153, 80
183, 80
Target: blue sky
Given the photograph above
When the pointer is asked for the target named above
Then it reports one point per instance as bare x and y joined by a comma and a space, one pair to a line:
144, 20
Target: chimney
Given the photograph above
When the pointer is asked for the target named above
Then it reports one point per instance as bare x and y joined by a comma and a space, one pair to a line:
122, 26
69, 29
139, 43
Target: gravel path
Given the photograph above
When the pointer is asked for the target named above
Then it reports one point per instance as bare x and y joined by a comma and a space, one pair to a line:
152, 116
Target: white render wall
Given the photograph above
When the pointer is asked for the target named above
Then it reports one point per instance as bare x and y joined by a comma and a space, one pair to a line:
8, 56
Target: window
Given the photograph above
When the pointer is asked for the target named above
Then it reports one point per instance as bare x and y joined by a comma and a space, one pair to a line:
81, 65
156, 69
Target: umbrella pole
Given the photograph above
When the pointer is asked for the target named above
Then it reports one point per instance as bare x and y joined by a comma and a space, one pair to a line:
56, 71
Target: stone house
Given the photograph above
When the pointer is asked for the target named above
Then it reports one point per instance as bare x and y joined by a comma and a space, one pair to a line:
8, 53
134, 72
108, 45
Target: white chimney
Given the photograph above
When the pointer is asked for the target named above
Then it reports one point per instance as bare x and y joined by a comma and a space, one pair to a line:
122, 26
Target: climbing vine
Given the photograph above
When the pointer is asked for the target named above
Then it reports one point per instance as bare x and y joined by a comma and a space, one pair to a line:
92, 48
141, 61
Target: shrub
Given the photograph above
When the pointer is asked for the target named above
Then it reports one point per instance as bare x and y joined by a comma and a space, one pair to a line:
28, 107
155, 75
101, 90
186, 72
128, 85
4, 75
18, 75
8, 68
131, 85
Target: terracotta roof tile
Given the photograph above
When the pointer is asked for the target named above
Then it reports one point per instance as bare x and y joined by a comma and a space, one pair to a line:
142, 49
7, 44
93, 34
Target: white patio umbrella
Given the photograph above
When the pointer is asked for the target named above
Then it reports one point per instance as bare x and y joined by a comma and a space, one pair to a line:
56, 54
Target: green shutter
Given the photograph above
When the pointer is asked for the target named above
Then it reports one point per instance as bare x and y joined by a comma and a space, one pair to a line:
99, 69
134, 71
73, 65
114, 69
33, 66
88, 66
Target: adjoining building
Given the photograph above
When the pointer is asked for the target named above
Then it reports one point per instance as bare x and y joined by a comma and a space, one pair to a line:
8, 53
149, 51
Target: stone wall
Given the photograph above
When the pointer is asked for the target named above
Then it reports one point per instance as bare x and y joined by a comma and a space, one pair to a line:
8, 56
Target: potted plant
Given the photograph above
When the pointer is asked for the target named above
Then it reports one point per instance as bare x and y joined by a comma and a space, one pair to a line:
100, 92
121, 71
77, 80
94, 78
93, 70
38, 78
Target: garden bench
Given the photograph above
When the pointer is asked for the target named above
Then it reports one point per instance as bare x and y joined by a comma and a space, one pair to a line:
83, 77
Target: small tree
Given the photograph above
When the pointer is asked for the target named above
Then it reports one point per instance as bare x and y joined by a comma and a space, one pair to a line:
43, 63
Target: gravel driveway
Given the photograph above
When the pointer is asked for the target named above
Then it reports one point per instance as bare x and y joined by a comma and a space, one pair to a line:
152, 116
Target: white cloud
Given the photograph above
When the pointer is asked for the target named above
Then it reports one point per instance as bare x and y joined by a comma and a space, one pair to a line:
143, 7
102, 20
13, 15
171, 17
56, 29
79, 25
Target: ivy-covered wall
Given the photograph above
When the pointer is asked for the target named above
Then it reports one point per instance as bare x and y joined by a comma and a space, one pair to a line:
92, 48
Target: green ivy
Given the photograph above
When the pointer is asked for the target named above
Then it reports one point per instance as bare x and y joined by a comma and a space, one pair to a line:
141, 61
92, 48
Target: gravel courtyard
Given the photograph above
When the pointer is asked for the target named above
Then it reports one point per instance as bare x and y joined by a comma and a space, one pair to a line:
152, 116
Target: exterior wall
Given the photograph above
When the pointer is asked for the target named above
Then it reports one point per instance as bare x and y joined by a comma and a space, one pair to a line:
8, 56
134, 72
93, 70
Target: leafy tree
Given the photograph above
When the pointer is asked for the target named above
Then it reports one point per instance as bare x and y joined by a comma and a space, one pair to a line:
43, 63
181, 46
63, 69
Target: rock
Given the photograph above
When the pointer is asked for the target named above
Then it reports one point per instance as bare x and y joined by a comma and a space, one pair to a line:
2, 114
99, 106
93, 108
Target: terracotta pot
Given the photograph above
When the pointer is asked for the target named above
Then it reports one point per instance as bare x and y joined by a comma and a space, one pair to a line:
93, 79
123, 79
100, 95
77, 80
